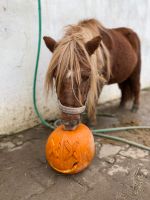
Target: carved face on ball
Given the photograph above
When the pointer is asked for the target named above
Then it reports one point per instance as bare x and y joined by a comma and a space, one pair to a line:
70, 151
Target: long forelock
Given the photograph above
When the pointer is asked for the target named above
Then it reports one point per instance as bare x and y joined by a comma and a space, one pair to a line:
70, 54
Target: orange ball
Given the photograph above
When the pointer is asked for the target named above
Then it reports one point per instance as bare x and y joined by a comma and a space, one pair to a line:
70, 152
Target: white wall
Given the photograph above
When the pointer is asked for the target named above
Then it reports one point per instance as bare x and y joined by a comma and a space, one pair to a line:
18, 46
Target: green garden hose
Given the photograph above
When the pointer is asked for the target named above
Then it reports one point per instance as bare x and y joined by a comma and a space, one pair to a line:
96, 132
36, 69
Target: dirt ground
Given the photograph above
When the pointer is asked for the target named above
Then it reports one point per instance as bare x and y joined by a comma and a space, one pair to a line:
118, 171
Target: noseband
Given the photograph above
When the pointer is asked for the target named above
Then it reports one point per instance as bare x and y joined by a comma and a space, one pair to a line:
71, 110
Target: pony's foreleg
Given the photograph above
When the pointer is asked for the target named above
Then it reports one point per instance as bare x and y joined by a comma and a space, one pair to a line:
92, 116
91, 119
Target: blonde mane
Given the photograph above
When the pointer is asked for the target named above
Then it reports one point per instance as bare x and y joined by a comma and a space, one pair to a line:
71, 54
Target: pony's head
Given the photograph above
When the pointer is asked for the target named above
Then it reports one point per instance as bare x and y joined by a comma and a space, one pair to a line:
76, 70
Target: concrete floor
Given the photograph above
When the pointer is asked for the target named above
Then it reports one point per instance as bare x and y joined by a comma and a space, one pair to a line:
118, 171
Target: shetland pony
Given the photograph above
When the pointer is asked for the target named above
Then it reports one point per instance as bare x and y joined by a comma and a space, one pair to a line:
84, 60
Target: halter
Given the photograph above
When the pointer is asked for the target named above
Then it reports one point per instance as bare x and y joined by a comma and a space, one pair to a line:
71, 110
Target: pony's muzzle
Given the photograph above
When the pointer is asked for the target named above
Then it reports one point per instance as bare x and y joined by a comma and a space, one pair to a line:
71, 124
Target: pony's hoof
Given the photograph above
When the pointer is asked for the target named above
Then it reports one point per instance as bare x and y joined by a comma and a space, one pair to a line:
122, 107
134, 108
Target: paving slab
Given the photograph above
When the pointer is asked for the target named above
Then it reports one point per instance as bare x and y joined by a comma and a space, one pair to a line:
118, 171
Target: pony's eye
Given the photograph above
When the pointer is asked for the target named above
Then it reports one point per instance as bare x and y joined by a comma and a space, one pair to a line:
54, 73
85, 77
102, 70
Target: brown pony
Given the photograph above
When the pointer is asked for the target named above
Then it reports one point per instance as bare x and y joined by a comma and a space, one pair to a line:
85, 59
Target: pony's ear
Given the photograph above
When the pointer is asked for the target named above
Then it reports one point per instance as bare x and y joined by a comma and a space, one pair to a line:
50, 43
93, 44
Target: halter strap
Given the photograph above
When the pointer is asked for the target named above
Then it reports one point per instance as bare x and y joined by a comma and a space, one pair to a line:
71, 110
